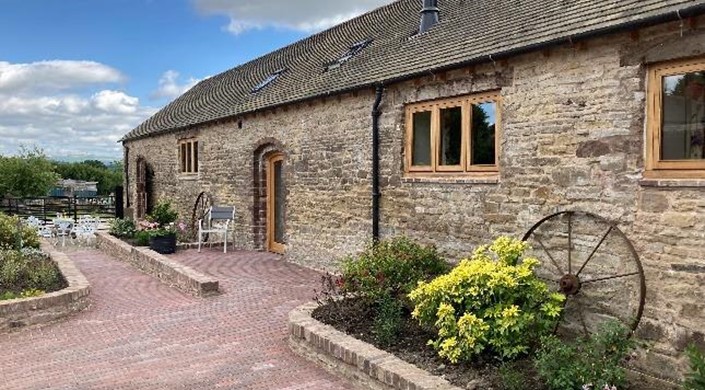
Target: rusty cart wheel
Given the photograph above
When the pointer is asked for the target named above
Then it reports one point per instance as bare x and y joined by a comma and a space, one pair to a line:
200, 209
592, 262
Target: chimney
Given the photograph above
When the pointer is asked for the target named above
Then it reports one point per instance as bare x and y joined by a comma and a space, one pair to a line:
429, 15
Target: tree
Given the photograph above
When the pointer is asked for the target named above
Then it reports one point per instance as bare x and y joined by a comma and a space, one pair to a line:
108, 177
28, 174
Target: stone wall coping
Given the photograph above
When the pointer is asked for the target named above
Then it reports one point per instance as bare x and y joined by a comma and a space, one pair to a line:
50, 306
360, 362
165, 269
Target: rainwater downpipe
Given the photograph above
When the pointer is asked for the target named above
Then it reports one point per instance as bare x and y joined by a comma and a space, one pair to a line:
376, 195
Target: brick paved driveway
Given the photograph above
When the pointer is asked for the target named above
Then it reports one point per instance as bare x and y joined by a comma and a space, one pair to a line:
141, 334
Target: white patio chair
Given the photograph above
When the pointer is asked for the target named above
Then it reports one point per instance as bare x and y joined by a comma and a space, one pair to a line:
33, 222
45, 231
218, 221
85, 230
63, 229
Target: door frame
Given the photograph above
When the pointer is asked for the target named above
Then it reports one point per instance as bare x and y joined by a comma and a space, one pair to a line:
272, 245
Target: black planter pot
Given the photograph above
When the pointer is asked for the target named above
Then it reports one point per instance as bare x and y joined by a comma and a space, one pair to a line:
163, 244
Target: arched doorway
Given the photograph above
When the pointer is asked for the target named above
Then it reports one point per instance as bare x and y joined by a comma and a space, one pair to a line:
269, 196
141, 188
276, 202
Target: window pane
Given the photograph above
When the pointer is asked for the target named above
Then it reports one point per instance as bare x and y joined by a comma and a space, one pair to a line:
195, 156
482, 133
683, 117
183, 158
421, 152
188, 157
451, 136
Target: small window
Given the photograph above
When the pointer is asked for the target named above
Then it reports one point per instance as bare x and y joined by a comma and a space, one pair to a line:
676, 120
456, 135
188, 156
268, 80
350, 53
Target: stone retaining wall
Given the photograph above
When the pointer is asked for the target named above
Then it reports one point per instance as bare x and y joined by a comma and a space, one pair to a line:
357, 361
371, 368
15, 313
150, 262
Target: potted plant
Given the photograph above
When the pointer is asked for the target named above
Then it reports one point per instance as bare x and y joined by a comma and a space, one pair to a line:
162, 232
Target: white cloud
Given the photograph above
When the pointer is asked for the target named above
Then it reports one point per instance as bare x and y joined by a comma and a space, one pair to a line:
54, 75
70, 114
115, 102
170, 87
301, 15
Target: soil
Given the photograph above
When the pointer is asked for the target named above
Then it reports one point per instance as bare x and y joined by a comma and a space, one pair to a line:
355, 318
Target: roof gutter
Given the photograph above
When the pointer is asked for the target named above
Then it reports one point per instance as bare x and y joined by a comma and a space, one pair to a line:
679, 14
376, 194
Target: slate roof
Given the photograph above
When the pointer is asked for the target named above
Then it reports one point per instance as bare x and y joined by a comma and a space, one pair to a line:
469, 31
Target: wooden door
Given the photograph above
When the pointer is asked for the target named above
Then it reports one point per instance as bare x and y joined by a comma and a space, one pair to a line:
276, 202
141, 188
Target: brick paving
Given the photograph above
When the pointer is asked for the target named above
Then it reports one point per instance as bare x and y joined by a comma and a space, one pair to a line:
141, 334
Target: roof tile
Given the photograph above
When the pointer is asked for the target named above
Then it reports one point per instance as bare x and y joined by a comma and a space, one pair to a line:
469, 30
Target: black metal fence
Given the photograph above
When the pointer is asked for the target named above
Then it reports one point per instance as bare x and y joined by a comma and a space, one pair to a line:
47, 208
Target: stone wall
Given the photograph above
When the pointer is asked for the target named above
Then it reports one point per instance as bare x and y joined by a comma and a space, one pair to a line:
326, 173
573, 122
161, 267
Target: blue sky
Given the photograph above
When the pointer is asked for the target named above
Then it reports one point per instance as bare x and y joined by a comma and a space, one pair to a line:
75, 75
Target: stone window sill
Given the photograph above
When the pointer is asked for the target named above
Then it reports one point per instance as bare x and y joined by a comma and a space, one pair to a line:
188, 176
490, 179
673, 183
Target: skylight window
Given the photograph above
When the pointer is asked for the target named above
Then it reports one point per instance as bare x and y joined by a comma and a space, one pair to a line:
352, 52
268, 80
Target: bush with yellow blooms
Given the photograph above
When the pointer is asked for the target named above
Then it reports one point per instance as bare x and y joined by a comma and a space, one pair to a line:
492, 303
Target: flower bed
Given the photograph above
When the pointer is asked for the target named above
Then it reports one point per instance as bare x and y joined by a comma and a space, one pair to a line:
485, 324
51, 306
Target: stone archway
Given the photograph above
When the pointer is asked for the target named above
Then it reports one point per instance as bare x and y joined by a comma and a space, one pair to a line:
264, 150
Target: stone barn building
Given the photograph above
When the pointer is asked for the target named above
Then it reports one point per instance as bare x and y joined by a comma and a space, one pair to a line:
477, 122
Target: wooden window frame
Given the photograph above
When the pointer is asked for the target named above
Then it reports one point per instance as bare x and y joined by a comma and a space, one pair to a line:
466, 168
654, 166
188, 156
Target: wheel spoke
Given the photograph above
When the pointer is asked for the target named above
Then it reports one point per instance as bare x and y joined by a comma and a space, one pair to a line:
561, 315
550, 256
608, 278
595, 250
545, 279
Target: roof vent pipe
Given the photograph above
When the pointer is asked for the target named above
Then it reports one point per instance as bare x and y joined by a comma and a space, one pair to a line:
429, 15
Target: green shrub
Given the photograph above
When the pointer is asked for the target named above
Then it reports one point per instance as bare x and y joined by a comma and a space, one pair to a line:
16, 235
41, 274
142, 238
24, 294
512, 377
591, 361
695, 379
33, 292
388, 321
8, 295
122, 228
391, 268
491, 303
163, 214
28, 270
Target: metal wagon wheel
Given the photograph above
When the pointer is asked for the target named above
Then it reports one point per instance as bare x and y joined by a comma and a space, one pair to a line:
200, 209
592, 262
